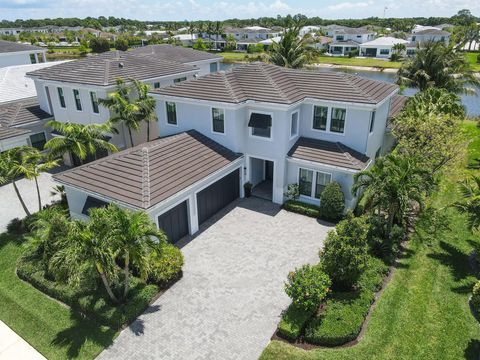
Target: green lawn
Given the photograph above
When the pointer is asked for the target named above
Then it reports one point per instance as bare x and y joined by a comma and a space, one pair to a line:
230, 56
472, 58
369, 62
424, 311
48, 326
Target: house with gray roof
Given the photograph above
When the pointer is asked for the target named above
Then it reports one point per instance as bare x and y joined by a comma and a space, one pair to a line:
13, 53
258, 123
429, 34
70, 91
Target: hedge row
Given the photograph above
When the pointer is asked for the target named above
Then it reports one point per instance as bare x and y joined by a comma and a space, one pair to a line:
293, 322
92, 304
302, 208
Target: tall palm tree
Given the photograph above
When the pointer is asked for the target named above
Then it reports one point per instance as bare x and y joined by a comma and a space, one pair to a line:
391, 186
292, 50
80, 140
218, 31
191, 30
438, 65
470, 204
125, 110
146, 104
133, 232
209, 29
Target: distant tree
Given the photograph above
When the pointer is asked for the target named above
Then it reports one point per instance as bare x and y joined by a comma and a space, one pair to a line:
99, 45
292, 50
200, 45
121, 44
463, 17
231, 43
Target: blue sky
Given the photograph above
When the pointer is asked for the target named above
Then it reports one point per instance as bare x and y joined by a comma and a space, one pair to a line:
222, 9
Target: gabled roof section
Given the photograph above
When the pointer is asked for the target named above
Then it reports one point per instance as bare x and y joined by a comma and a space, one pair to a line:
22, 112
274, 84
149, 173
432, 32
328, 153
143, 63
12, 47
9, 132
397, 105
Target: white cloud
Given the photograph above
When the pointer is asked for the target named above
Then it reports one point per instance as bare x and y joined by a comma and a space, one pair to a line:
350, 5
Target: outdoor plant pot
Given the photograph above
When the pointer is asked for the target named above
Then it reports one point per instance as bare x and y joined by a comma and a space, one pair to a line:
248, 189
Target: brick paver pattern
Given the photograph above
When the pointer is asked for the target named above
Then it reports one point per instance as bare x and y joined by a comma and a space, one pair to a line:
231, 296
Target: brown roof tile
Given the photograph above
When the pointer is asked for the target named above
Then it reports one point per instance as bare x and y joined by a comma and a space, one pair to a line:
22, 112
329, 153
274, 84
9, 132
147, 174
398, 103
10, 46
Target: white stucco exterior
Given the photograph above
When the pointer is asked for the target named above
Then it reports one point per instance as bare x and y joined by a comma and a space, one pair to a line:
22, 57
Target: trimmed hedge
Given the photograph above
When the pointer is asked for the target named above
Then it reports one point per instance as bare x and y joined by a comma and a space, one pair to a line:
167, 267
332, 202
345, 312
302, 208
93, 304
293, 321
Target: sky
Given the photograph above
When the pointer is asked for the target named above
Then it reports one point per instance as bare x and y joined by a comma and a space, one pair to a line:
224, 9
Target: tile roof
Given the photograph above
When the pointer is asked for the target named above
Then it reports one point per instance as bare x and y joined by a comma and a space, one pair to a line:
149, 173
274, 84
329, 153
345, 43
141, 63
10, 46
8, 132
384, 41
14, 85
353, 31
398, 103
22, 112
432, 32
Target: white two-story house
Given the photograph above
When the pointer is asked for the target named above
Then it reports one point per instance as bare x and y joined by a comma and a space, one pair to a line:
346, 39
12, 53
258, 123
70, 91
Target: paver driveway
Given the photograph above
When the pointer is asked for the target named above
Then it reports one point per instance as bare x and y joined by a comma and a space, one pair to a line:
229, 301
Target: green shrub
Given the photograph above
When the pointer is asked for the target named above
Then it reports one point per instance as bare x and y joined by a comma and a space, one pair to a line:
293, 192
307, 286
380, 244
353, 53
345, 251
332, 202
293, 321
16, 226
99, 45
302, 208
121, 44
166, 267
476, 296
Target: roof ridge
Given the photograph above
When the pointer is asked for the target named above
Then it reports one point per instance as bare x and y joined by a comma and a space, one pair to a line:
346, 153
355, 85
272, 82
106, 74
17, 110
145, 178
228, 86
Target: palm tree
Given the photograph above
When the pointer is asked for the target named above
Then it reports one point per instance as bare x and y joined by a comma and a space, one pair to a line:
80, 140
391, 186
191, 30
437, 65
146, 105
134, 232
218, 31
470, 205
124, 109
292, 50
209, 30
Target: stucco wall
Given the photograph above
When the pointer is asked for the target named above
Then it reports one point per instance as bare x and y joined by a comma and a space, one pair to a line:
17, 58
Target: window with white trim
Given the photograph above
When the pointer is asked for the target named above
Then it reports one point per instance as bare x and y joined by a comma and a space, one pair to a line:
38, 140
94, 100
61, 97
156, 85
294, 124
372, 121
179, 80
384, 51
337, 122
171, 112
320, 114
78, 101
218, 120
312, 183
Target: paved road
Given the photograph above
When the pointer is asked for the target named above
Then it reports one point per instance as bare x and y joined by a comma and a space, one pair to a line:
10, 206
13, 346
229, 301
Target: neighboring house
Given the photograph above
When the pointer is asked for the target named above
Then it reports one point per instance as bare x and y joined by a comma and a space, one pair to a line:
321, 42
257, 123
359, 35
248, 35
342, 48
186, 39
22, 122
426, 35
311, 29
12, 53
381, 47
70, 91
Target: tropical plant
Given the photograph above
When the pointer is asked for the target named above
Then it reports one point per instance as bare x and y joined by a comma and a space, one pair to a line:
80, 140
230, 43
218, 28
121, 44
392, 186
99, 45
332, 201
345, 252
146, 104
293, 192
166, 265
292, 50
470, 204
438, 65
200, 45
476, 296
307, 286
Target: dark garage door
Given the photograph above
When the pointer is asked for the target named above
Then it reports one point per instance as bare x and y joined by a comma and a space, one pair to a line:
218, 195
175, 222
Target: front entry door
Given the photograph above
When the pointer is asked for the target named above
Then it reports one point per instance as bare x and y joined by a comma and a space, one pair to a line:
268, 170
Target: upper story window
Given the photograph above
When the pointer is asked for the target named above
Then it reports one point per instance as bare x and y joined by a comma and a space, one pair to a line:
372, 121
218, 120
33, 59
337, 123
94, 99
38, 140
320, 114
260, 125
213, 67
61, 97
156, 85
78, 101
171, 113
340, 37
294, 124
413, 38
179, 80
312, 183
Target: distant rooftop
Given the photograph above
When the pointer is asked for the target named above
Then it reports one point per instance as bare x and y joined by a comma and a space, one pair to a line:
385, 41
432, 32
10, 46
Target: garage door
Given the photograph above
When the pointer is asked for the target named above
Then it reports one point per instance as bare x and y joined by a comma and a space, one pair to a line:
175, 222
218, 195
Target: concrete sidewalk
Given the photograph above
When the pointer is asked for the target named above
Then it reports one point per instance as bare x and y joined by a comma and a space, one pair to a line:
13, 346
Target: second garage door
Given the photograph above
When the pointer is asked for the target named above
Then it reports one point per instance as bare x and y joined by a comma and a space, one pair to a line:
218, 195
175, 222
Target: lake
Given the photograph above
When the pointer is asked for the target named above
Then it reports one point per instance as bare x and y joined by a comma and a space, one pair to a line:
471, 102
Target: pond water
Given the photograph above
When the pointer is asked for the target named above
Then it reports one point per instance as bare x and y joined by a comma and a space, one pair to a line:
471, 102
